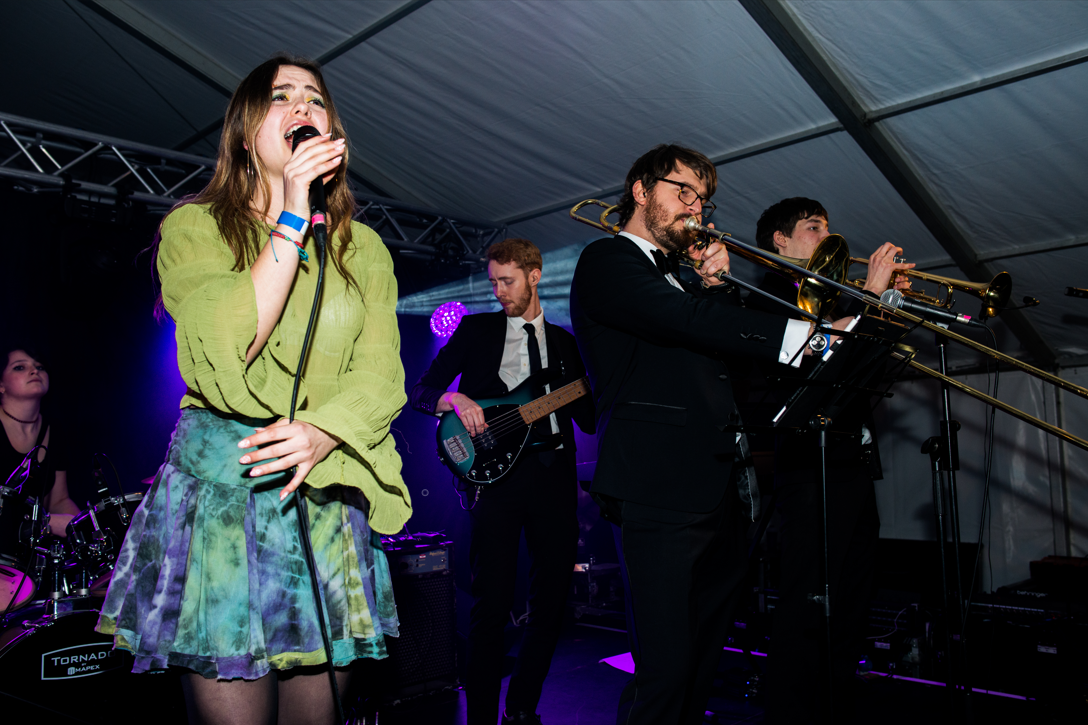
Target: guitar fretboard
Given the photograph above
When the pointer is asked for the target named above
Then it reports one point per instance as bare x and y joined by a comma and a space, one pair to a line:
553, 401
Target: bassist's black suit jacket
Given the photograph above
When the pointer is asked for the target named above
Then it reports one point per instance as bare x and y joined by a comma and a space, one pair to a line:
662, 391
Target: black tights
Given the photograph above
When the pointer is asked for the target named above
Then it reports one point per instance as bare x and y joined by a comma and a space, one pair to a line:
299, 696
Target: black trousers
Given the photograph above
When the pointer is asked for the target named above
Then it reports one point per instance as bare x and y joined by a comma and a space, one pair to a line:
682, 573
797, 676
542, 500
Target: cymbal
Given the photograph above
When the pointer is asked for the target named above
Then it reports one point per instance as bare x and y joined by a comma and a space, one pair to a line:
148, 481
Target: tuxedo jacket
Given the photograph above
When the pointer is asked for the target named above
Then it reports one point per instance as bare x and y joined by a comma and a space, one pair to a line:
474, 352
657, 360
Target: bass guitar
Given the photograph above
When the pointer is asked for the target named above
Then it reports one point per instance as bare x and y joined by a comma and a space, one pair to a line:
484, 459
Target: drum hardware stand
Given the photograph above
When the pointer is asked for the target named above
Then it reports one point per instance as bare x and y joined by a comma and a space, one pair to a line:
98, 534
96, 471
59, 588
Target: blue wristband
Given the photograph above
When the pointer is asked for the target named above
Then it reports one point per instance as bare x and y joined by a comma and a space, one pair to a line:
295, 222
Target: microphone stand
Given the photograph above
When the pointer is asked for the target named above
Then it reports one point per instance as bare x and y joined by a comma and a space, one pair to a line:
821, 423
944, 455
317, 223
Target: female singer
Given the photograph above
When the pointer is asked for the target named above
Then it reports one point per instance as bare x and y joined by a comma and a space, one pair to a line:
211, 577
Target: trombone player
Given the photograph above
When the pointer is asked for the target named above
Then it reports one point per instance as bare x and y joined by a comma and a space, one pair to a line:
797, 667
671, 475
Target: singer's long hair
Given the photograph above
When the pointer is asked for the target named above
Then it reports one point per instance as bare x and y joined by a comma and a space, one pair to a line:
239, 170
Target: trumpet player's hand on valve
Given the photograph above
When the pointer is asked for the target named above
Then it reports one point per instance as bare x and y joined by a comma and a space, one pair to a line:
883, 270
714, 259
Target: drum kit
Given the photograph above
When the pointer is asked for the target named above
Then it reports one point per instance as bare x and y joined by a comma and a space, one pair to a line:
52, 661
51, 568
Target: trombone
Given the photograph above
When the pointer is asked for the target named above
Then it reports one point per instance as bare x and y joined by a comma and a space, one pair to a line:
831, 284
828, 260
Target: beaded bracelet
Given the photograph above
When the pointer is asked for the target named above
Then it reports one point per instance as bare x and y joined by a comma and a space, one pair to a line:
302, 255
295, 222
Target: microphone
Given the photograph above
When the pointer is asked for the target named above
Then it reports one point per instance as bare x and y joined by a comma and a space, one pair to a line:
1028, 302
317, 189
895, 298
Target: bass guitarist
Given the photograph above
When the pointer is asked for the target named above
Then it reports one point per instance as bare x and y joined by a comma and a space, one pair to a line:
494, 353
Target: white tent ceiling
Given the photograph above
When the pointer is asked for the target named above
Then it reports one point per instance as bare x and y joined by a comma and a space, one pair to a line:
953, 129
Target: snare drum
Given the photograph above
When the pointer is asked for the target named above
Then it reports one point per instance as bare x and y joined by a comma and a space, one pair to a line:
13, 511
95, 535
15, 583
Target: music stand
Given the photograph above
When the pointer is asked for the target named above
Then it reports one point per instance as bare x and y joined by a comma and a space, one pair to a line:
849, 367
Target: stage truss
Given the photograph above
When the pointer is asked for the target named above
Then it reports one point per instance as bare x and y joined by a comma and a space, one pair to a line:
101, 176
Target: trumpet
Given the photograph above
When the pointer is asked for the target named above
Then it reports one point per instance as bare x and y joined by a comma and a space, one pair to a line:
994, 294
835, 261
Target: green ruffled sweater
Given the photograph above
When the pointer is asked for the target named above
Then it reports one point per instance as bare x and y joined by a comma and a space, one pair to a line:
353, 383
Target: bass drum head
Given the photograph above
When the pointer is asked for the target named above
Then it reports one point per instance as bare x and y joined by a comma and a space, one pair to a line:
62, 667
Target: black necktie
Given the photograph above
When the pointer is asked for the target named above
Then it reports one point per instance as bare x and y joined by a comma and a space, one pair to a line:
534, 349
667, 263
543, 426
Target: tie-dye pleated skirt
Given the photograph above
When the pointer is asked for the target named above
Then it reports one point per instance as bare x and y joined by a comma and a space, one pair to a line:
211, 576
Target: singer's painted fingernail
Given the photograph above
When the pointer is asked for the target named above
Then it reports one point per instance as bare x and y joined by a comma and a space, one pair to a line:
244, 444
244, 459
283, 494
255, 472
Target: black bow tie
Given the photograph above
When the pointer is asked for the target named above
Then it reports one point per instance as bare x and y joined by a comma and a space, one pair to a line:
667, 263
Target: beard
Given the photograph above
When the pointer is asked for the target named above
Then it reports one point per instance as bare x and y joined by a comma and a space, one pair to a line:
520, 304
664, 230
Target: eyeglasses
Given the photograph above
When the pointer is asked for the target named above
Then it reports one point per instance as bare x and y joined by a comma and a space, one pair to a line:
688, 196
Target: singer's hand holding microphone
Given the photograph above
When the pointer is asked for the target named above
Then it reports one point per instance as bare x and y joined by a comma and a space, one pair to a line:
312, 164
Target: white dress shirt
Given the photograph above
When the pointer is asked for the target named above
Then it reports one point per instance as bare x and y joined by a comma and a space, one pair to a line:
514, 368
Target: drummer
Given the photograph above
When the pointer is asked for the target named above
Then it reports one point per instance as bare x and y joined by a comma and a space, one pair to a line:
23, 384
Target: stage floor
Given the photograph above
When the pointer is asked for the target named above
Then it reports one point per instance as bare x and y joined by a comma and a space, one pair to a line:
581, 690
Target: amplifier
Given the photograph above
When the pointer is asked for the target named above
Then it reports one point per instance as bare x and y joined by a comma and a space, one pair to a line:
1064, 575
423, 658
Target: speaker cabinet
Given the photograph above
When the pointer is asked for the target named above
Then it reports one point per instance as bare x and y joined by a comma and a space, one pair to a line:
423, 658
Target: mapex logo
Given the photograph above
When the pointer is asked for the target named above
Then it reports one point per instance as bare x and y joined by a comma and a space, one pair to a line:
81, 660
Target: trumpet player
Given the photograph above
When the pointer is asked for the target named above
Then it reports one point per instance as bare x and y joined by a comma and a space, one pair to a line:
797, 667
671, 474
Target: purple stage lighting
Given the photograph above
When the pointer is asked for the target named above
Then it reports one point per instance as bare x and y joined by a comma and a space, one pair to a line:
447, 317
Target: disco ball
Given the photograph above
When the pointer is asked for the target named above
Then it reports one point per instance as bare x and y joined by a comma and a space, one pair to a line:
447, 317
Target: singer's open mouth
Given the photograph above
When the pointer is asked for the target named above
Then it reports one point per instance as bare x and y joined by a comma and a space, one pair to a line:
291, 132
